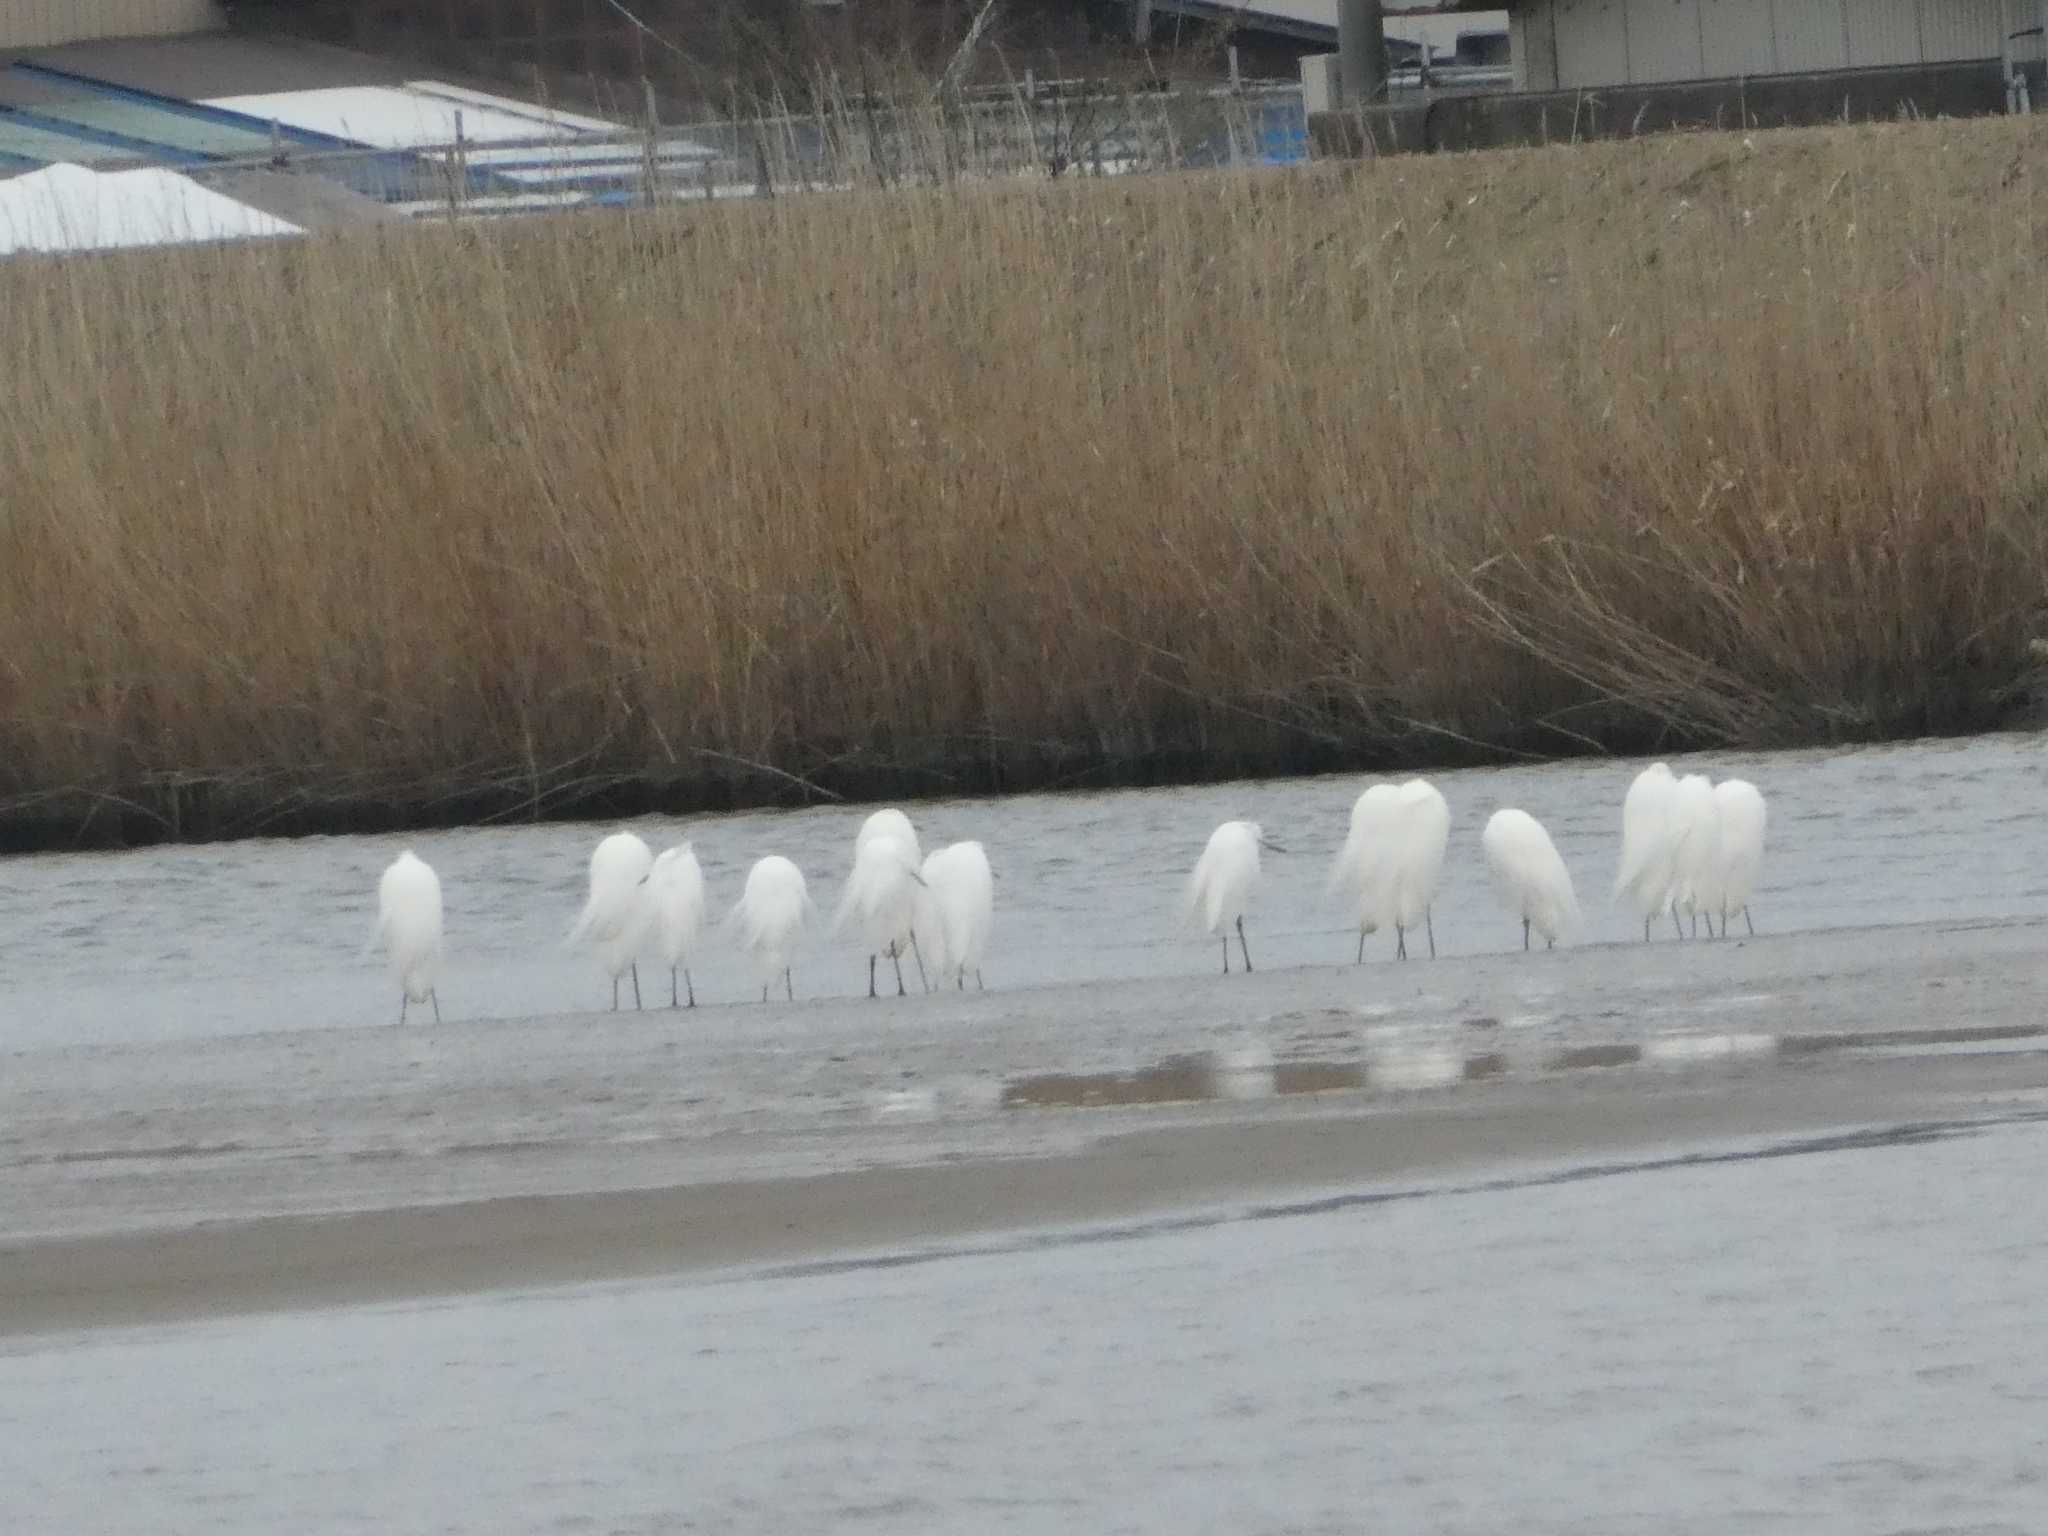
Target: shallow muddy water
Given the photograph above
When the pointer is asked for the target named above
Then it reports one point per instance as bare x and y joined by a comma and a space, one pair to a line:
1842, 1340
187, 942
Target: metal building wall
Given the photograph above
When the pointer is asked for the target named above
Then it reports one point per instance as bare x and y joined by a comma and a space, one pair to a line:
38, 23
1735, 38
1640, 42
1592, 41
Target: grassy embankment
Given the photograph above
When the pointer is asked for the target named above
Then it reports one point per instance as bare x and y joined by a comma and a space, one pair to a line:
1695, 441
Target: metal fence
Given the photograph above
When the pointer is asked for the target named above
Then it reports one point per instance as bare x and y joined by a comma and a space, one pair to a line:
1043, 129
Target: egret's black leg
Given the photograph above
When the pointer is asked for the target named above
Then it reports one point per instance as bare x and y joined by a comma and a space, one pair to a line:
788, 986
977, 980
1746, 922
674, 999
897, 961
615, 994
917, 953
636, 984
689, 987
1240, 944
1361, 948
1226, 952
871, 976
1400, 942
1525, 933
434, 997
403, 999
1429, 925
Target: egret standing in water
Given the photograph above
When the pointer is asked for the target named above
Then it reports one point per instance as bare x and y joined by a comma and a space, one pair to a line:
881, 897
1393, 860
890, 822
1741, 853
769, 916
675, 885
1357, 872
959, 909
617, 913
1695, 848
1421, 836
1649, 837
409, 924
1532, 878
1220, 887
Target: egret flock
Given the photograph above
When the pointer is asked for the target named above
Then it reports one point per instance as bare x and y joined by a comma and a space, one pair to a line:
1689, 847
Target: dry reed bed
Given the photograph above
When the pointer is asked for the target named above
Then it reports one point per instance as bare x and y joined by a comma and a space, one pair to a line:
1705, 440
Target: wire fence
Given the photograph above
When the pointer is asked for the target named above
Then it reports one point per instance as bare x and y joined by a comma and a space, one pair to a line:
1042, 129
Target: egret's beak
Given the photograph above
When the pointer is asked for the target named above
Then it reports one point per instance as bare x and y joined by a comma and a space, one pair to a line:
1271, 847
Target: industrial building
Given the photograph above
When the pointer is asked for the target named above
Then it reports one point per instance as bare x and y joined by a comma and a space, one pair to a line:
1591, 44
44, 23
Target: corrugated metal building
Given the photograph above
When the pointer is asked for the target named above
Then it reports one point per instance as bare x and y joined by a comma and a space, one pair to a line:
42, 23
1569, 44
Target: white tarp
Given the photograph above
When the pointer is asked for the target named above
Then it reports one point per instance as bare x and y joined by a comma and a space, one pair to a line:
66, 207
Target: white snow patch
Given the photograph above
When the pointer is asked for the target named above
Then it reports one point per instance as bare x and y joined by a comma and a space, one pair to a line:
402, 117
67, 207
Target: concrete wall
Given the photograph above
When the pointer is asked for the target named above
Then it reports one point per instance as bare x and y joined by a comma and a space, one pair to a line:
1573, 44
39, 23
1494, 121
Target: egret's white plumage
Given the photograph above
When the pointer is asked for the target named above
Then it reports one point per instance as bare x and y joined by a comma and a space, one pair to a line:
409, 927
1421, 838
675, 886
1741, 853
1649, 839
880, 899
890, 822
958, 901
617, 913
769, 917
1357, 871
1532, 877
1393, 859
1695, 847
1220, 887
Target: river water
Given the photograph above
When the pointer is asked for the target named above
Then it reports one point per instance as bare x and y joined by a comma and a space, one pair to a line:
1843, 1336
1840, 1341
184, 942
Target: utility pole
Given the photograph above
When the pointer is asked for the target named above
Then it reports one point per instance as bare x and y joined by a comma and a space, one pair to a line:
1361, 51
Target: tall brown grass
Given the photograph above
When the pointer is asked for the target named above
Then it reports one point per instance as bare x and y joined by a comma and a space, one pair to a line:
1706, 440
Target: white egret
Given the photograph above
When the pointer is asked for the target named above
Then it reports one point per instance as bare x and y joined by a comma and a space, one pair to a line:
1220, 886
880, 896
959, 909
1356, 872
1741, 849
1649, 836
409, 926
770, 916
675, 886
1393, 860
890, 822
1420, 840
1532, 878
1695, 848
617, 913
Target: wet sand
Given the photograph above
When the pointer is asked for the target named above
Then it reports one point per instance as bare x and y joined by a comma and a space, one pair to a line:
889, 1214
